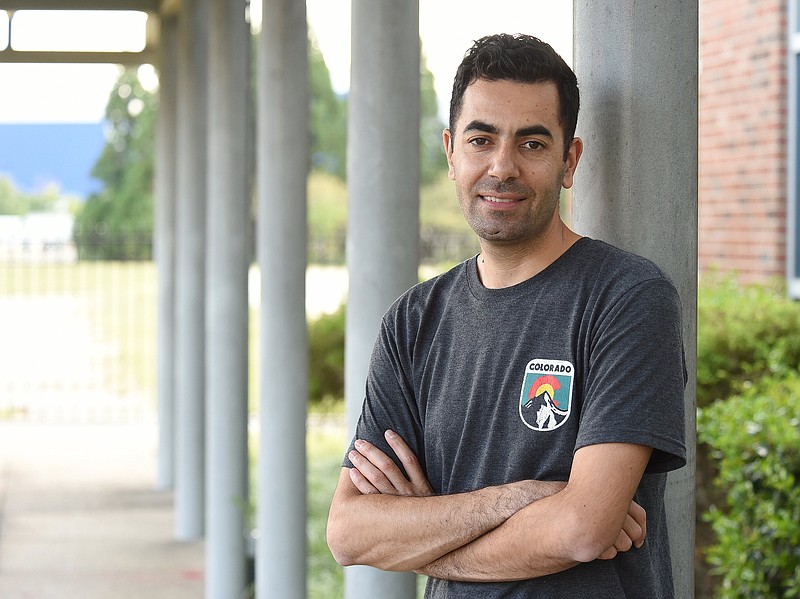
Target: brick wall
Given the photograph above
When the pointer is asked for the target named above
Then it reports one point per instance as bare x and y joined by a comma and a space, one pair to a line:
742, 137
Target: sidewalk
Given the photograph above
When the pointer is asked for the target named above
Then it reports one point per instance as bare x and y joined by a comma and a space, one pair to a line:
80, 516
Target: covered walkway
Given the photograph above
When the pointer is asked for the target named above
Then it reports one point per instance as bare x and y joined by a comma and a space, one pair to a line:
80, 516
638, 68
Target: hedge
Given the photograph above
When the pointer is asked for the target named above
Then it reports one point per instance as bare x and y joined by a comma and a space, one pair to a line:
748, 453
326, 358
756, 439
743, 335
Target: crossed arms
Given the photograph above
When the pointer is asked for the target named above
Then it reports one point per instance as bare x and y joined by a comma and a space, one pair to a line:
515, 531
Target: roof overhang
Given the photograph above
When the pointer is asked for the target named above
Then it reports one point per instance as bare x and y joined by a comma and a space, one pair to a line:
154, 9
152, 6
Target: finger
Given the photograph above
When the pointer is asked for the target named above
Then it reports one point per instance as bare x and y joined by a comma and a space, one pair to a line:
361, 483
609, 553
381, 470
638, 513
634, 531
372, 474
623, 542
410, 462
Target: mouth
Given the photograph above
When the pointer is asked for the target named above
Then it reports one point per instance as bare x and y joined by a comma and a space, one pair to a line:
500, 200
500, 203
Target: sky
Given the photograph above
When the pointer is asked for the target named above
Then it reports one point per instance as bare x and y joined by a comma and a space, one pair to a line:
38, 93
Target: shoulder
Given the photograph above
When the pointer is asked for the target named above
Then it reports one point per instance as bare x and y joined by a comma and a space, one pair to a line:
613, 272
424, 307
432, 294
606, 258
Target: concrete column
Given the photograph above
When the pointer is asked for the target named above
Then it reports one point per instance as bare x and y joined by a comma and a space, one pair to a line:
165, 189
190, 272
226, 301
282, 168
636, 185
383, 208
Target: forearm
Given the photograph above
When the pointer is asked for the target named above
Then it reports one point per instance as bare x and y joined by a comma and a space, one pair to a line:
405, 533
584, 522
527, 545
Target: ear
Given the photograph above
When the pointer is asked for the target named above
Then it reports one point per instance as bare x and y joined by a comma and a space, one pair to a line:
447, 140
571, 163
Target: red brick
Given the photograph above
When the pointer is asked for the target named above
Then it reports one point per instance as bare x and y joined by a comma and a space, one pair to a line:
742, 137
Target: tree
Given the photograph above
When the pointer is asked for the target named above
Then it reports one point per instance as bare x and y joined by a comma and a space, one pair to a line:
327, 117
431, 155
17, 203
117, 222
328, 122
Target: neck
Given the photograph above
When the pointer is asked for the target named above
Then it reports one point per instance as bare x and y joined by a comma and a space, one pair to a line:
506, 265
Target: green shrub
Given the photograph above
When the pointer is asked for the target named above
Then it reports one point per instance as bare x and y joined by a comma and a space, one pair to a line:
327, 218
444, 235
743, 334
756, 439
326, 443
326, 358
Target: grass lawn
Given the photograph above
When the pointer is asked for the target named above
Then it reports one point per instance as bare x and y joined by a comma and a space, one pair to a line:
325, 446
115, 301
119, 301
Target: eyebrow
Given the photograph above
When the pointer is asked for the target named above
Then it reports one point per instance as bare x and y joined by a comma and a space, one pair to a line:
524, 132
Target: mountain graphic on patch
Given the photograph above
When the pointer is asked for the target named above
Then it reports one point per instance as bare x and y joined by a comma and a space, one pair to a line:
546, 399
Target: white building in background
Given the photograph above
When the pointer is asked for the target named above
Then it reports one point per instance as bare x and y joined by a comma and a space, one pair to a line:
37, 237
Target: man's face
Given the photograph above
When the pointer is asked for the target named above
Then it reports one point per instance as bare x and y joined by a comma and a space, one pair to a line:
507, 160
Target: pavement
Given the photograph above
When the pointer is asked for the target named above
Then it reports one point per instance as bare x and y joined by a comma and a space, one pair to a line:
80, 516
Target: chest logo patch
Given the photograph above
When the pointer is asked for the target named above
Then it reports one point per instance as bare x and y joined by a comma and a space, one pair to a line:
545, 401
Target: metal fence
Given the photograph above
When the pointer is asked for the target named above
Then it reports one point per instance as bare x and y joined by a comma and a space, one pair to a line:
78, 321
436, 247
77, 337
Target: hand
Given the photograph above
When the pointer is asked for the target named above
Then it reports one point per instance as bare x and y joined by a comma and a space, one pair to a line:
632, 533
375, 472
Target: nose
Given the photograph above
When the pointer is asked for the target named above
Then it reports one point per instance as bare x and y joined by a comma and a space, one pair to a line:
504, 162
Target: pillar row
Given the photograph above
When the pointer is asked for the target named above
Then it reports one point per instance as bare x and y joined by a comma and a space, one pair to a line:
383, 208
637, 64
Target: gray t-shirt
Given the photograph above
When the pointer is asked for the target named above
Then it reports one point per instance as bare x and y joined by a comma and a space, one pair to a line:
490, 386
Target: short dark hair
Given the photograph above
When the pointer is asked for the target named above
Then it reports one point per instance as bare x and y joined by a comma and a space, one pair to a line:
521, 58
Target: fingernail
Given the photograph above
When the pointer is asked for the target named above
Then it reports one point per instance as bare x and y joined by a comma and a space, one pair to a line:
353, 455
359, 443
390, 434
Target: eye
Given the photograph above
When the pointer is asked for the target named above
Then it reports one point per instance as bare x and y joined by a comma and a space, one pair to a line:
533, 145
478, 141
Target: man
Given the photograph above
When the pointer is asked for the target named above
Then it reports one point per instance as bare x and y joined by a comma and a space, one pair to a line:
522, 409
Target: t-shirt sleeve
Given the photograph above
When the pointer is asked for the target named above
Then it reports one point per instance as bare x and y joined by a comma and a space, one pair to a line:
389, 401
637, 374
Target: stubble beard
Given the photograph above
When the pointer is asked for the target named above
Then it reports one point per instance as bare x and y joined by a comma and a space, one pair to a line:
503, 228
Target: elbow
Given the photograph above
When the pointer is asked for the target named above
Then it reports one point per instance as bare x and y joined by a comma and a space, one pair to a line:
339, 551
337, 538
340, 554
352, 539
587, 539
346, 551
586, 551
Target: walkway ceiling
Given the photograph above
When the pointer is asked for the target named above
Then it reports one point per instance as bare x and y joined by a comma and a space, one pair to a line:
153, 8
